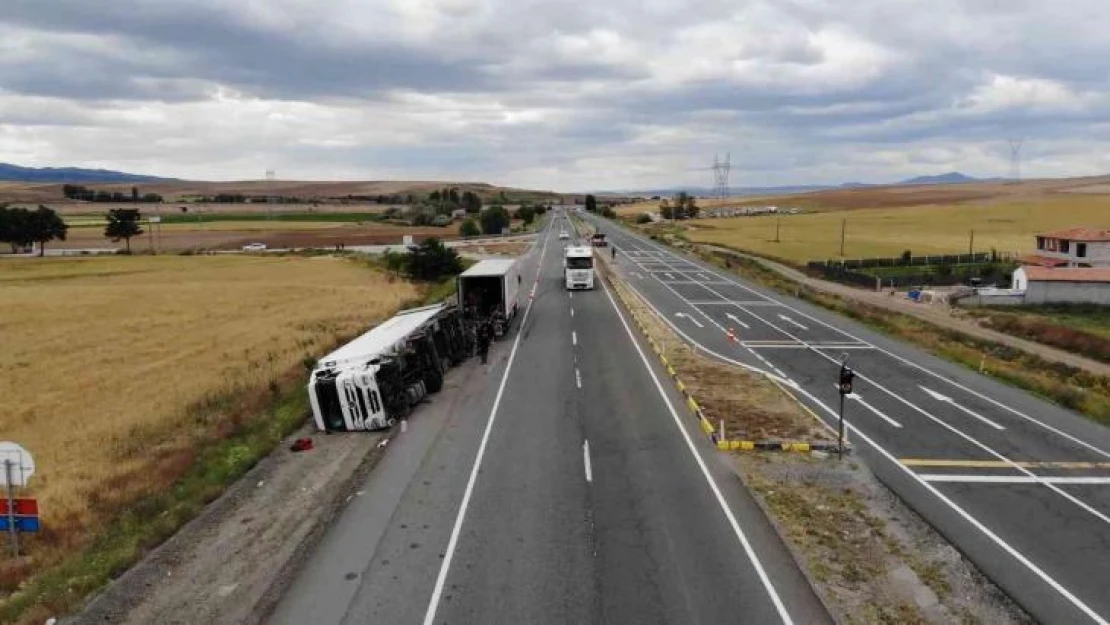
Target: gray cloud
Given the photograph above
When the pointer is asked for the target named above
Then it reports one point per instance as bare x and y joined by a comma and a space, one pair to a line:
554, 94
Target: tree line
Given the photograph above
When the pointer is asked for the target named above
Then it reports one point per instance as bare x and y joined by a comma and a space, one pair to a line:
78, 192
22, 227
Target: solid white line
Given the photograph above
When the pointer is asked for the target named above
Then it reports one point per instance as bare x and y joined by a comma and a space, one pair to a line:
1017, 555
573, 337
578, 378
1014, 479
586, 461
449, 554
766, 581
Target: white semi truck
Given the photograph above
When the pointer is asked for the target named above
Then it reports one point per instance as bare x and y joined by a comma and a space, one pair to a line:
376, 379
578, 267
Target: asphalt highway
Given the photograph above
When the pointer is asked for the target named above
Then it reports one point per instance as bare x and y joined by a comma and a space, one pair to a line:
560, 483
1018, 484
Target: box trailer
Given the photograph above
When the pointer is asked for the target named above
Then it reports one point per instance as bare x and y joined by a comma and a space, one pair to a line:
490, 285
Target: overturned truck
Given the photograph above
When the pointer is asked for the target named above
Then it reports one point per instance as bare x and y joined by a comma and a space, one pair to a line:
376, 379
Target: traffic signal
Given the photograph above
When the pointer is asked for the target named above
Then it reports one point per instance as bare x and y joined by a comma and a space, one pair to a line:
846, 377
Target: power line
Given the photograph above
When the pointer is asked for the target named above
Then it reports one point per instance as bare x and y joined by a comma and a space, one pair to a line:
720, 176
1015, 159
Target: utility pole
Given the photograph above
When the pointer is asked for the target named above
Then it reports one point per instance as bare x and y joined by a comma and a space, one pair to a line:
843, 228
971, 245
778, 222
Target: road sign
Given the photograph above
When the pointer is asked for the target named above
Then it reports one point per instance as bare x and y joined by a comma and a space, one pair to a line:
23, 465
22, 524
154, 219
23, 507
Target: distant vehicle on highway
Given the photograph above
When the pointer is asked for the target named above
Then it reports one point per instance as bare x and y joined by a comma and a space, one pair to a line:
563, 235
578, 267
254, 247
598, 240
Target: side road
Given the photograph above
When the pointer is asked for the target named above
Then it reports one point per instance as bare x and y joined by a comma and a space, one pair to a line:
931, 314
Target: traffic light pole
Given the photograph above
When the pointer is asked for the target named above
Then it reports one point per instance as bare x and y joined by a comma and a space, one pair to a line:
840, 431
844, 385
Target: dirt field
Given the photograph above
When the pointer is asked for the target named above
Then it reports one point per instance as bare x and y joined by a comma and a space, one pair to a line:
1007, 226
231, 235
113, 367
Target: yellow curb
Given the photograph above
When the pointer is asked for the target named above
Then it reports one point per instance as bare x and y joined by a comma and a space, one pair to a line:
722, 445
671, 371
707, 426
693, 405
680, 385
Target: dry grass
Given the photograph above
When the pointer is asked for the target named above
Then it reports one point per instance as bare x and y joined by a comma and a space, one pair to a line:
113, 367
1005, 226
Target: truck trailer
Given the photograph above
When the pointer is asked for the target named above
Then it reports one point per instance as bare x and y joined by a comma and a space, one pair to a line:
490, 285
376, 379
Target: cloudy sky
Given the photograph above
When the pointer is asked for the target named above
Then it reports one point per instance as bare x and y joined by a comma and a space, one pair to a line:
570, 95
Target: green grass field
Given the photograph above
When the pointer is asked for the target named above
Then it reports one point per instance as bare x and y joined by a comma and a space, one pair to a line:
1007, 226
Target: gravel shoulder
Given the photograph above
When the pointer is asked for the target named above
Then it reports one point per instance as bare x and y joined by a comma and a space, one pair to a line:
231, 563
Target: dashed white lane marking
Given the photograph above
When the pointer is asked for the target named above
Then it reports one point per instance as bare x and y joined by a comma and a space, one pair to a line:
1015, 479
742, 324
574, 337
578, 378
586, 461
571, 312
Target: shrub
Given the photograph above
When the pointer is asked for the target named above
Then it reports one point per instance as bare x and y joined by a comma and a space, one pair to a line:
469, 228
643, 219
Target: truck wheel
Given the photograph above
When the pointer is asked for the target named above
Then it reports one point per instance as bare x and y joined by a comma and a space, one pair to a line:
434, 382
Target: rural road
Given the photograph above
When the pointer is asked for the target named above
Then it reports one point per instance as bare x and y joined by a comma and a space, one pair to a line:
1019, 485
567, 489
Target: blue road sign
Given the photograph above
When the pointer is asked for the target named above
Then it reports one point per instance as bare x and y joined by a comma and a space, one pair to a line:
22, 523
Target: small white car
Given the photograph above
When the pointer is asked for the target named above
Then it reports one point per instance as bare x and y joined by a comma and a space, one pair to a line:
563, 235
254, 247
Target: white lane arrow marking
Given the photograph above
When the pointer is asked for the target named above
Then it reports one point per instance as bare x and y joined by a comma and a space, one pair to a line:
586, 461
859, 400
638, 275
701, 276
669, 276
578, 378
789, 320
948, 400
692, 320
733, 317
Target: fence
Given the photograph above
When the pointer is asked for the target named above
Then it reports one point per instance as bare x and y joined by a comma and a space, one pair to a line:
847, 271
922, 261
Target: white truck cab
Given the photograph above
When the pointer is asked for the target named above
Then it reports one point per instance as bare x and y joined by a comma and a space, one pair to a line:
578, 267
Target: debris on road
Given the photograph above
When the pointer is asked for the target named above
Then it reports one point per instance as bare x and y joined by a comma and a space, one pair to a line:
301, 444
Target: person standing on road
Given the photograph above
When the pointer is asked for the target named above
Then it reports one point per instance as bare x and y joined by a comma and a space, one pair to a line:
613, 249
483, 340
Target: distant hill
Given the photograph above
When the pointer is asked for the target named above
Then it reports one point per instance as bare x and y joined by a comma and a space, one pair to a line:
952, 177
15, 173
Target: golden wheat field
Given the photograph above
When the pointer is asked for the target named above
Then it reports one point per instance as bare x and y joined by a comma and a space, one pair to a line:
110, 366
1006, 226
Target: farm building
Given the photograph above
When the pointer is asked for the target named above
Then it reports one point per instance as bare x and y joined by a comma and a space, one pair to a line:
1063, 285
1075, 247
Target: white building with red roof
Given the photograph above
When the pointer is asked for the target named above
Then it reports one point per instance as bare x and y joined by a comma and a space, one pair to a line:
1063, 285
1075, 247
